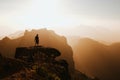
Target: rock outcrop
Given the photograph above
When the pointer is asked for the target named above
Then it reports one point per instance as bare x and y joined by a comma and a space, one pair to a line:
37, 63
51, 65
48, 38
40, 64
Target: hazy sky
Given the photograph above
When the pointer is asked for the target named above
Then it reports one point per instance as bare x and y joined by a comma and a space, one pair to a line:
63, 16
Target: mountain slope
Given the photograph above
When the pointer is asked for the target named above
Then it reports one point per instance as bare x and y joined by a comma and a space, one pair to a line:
97, 59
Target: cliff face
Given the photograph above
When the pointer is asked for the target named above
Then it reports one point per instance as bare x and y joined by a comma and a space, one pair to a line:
47, 38
9, 66
37, 63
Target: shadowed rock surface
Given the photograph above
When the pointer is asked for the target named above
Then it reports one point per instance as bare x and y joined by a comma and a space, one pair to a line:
37, 63
48, 38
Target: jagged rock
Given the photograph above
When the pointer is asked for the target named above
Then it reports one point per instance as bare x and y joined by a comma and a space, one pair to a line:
40, 69
9, 66
52, 70
48, 38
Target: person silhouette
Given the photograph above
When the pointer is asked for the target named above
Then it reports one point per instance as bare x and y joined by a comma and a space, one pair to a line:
36, 40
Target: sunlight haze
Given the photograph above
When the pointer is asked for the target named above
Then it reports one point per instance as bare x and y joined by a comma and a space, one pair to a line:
89, 18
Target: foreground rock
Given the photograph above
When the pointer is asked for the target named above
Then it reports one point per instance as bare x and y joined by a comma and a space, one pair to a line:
48, 38
38, 63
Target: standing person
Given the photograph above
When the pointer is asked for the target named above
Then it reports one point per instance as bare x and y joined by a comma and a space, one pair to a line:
36, 40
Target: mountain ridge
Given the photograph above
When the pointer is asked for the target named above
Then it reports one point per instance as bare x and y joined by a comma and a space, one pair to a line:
48, 38
97, 59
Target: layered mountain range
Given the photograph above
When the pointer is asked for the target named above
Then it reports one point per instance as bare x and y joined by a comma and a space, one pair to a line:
48, 38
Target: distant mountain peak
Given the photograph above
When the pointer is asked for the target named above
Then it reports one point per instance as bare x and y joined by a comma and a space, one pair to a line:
6, 38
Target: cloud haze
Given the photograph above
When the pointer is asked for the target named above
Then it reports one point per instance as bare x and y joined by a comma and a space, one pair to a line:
61, 16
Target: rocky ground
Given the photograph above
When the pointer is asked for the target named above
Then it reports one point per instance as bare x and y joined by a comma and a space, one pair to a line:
37, 63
